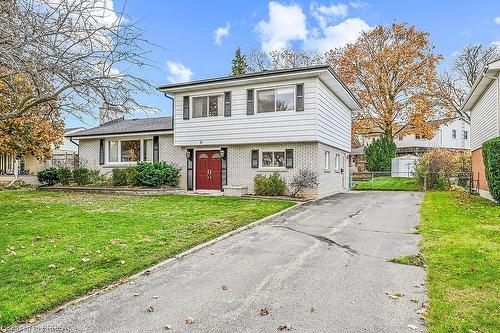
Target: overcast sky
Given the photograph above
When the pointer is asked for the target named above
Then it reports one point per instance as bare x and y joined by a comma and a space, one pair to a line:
197, 39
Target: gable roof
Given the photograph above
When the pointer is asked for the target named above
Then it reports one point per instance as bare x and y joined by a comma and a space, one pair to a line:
323, 71
491, 69
127, 126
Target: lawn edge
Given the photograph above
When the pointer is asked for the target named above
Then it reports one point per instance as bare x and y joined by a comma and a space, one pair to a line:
57, 309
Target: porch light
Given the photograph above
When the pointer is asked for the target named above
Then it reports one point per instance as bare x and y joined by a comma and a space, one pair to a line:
188, 154
222, 153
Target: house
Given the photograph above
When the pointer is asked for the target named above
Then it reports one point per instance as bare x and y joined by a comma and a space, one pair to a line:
28, 166
224, 131
454, 135
483, 103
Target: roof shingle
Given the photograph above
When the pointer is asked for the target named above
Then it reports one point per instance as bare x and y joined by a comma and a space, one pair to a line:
126, 126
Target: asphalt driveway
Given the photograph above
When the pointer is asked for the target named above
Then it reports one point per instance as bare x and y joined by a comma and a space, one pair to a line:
320, 268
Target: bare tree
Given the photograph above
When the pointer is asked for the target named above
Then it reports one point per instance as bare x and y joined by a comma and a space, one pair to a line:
453, 86
75, 55
281, 59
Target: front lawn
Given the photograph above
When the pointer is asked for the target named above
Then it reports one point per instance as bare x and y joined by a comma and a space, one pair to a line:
388, 184
56, 246
461, 249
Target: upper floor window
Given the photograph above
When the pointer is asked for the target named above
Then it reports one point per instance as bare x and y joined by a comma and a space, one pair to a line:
465, 135
206, 106
279, 99
453, 134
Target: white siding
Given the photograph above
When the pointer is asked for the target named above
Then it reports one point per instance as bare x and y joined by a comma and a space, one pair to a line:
334, 119
484, 117
240, 128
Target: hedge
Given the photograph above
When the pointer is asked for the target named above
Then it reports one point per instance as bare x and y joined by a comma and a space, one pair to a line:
491, 157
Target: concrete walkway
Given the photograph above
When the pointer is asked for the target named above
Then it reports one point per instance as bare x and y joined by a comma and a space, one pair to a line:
320, 268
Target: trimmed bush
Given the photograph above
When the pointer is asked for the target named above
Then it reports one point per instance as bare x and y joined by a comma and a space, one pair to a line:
272, 185
82, 176
65, 176
119, 177
380, 153
491, 157
49, 176
131, 175
157, 174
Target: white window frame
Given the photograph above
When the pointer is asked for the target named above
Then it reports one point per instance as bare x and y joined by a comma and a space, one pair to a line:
453, 134
256, 98
337, 162
327, 161
220, 109
119, 141
261, 159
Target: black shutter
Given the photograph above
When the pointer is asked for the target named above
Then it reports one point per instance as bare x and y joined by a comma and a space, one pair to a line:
227, 104
101, 152
190, 169
299, 93
289, 158
224, 167
156, 148
255, 159
250, 104
185, 107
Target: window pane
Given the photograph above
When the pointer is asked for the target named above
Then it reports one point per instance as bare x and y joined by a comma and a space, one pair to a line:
327, 160
130, 150
267, 159
213, 105
148, 148
113, 151
265, 100
284, 99
199, 107
279, 159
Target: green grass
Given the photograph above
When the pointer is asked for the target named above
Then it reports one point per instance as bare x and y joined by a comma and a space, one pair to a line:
410, 259
56, 246
388, 184
461, 249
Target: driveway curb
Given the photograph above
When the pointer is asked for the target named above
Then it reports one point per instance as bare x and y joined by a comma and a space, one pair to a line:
159, 265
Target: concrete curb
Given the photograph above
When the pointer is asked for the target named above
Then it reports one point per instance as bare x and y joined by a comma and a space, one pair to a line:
156, 267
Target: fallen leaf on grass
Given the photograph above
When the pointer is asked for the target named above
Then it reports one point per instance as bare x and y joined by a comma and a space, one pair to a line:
122, 262
285, 327
52, 266
85, 259
189, 320
264, 312
71, 269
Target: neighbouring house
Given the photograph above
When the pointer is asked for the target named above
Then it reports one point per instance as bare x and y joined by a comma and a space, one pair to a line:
28, 166
483, 103
224, 131
454, 135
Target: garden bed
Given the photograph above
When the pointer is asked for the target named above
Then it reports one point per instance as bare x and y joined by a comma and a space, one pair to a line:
113, 190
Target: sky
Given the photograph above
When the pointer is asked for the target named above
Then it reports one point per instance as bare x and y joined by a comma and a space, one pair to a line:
197, 39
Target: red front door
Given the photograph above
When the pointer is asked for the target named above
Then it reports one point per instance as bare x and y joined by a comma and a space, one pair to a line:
208, 170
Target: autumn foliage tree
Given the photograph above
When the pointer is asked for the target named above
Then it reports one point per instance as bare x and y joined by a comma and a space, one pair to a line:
33, 132
392, 71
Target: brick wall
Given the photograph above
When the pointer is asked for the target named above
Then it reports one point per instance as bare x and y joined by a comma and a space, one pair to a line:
478, 169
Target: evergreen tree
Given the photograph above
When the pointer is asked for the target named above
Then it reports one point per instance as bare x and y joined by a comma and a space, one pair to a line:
379, 154
239, 65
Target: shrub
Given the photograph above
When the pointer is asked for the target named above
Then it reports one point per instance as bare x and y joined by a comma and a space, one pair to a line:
491, 157
303, 180
49, 176
380, 153
119, 177
438, 167
65, 176
157, 173
272, 185
131, 175
82, 176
